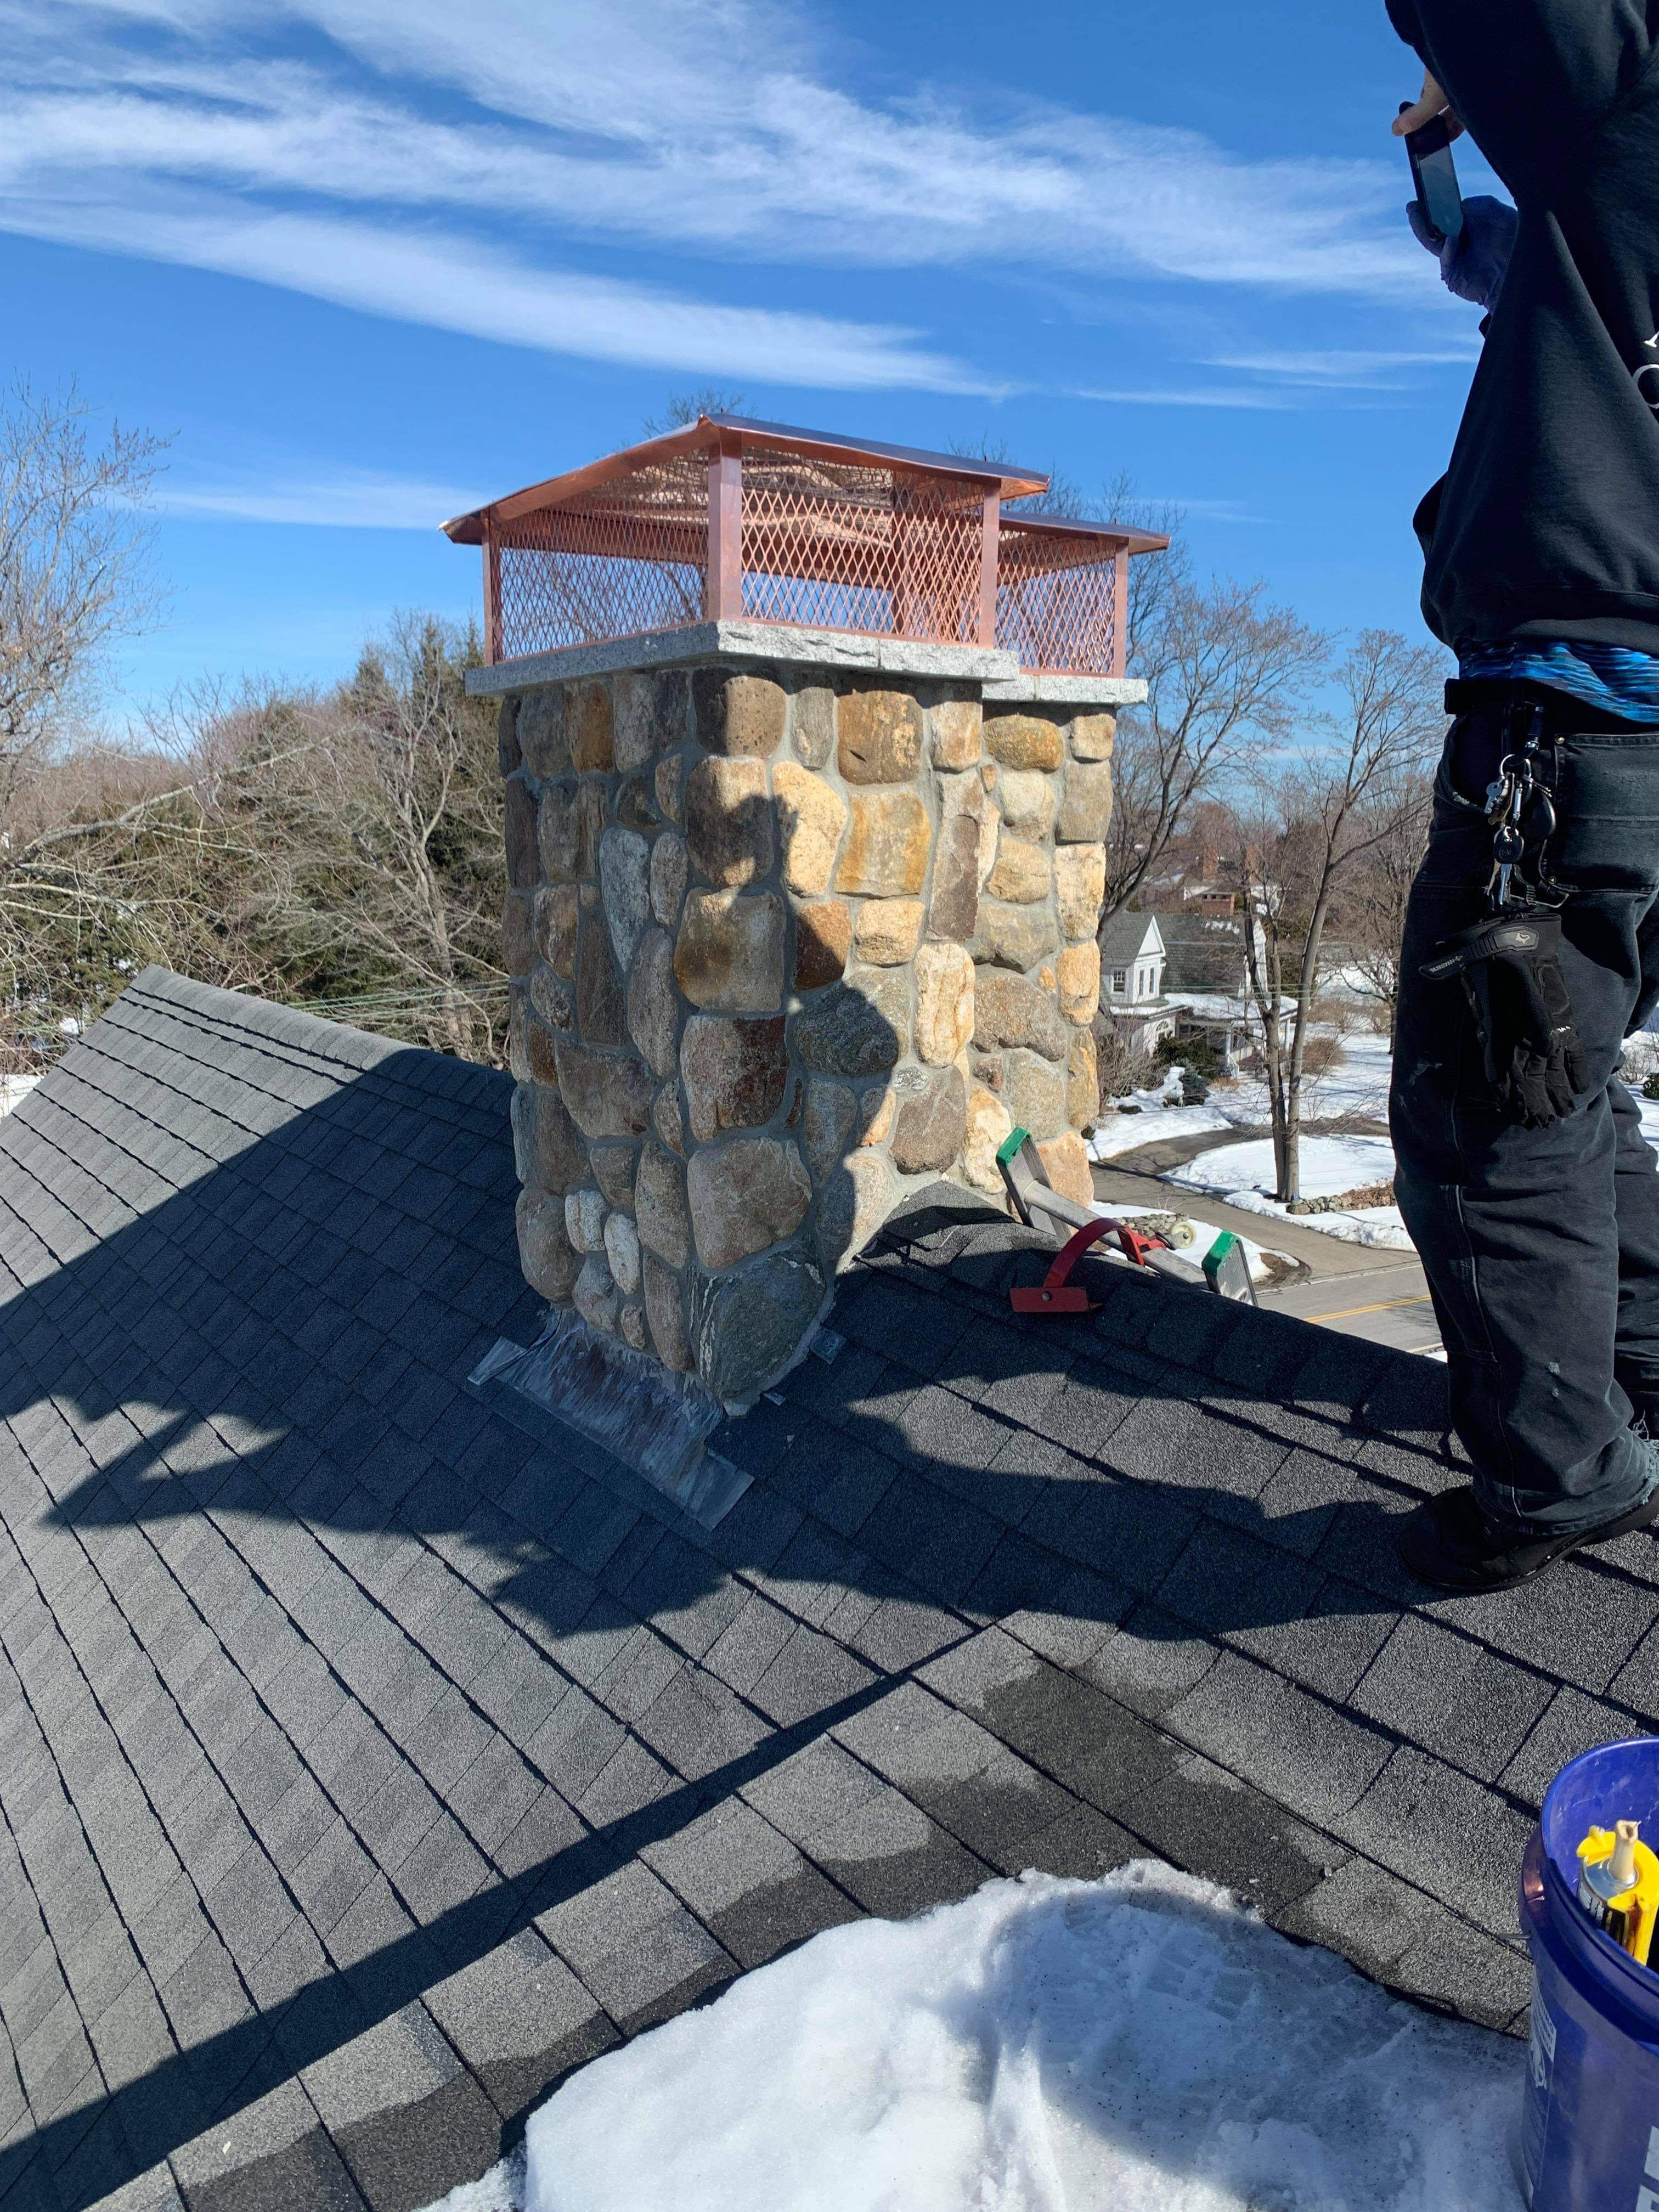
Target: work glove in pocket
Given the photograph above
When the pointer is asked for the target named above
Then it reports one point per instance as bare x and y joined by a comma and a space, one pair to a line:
1510, 966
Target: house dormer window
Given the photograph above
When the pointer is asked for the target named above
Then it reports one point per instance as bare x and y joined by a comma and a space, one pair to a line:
1119, 982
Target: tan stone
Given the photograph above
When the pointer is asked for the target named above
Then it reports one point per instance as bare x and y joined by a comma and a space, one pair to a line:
988, 1126
733, 1073
518, 1030
929, 1127
547, 1151
608, 1094
1092, 737
1085, 813
1080, 888
739, 715
1023, 741
877, 736
1021, 875
827, 1131
665, 1316
1009, 1010
944, 1003
1077, 978
622, 1250
668, 1120
553, 998
517, 934
1082, 1081
745, 1195
823, 938
1028, 802
588, 726
667, 782
1013, 936
541, 731
613, 1171
630, 1327
728, 821
877, 1108
654, 1004
584, 1220
888, 931
885, 855
668, 875
558, 910
560, 834
1065, 1158
955, 724
811, 815
600, 1016
729, 957
521, 836
854, 1202
541, 1049
546, 1260
1034, 1093
813, 726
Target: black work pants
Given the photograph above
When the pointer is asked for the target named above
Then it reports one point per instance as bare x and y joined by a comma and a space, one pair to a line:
1540, 1246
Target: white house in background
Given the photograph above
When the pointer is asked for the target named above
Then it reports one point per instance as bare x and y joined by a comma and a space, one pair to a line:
1132, 959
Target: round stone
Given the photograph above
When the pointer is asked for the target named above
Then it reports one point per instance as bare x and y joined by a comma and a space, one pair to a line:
811, 815
729, 956
734, 1073
749, 1327
728, 821
928, 1130
1021, 875
659, 1206
1008, 1009
584, 1220
854, 1030
888, 931
622, 1250
1023, 741
745, 1195
546, 1258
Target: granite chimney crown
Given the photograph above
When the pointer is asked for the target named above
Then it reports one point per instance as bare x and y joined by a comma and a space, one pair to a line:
805, 883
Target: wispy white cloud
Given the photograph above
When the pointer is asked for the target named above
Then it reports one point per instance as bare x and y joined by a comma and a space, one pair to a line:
1354, 369
343, 499
1251, 396
713, 128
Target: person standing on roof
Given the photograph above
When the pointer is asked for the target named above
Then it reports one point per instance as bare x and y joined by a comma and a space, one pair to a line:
1523, 1173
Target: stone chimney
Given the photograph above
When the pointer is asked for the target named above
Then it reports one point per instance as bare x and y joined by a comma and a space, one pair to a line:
800, 921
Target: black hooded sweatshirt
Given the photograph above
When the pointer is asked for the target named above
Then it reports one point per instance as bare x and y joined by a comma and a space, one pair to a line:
1547, 523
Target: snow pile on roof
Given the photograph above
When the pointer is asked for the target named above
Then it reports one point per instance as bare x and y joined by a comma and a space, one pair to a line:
1141, 2042
1245, 1175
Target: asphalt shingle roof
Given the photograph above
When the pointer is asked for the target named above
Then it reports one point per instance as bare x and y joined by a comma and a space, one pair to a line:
373, 1750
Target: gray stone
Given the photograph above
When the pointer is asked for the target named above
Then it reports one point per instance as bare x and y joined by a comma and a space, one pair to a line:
654, 1003
668, 877
929, 1130
547, 1150
630, 1327
1033, 1094
666, 1313
517, 934
651, 713
1085, 813
521, 836
625, 884
814, 726
668, 1120
1013, 936
855, 1029
546, 1258
597, 1299
739, 715
748, 1327
622, 1250
542, 739
635, 807
1092, 737
1009, 1010
600, 1018
507, 754
559, 834
613, 1171
729, 955
728, 821
554, 999
827, 1129
953, 904
744, 1195
659, 1206
558, 908
669, 782
734, 1073
607, 1096
1028, 800
853, 1203
584, 1220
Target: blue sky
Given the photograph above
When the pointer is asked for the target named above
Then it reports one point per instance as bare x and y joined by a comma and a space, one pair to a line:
369, 261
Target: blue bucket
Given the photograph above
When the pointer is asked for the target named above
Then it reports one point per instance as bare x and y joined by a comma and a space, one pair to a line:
1589, 2134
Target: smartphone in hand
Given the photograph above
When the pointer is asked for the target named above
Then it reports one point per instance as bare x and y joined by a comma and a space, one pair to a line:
1435, 175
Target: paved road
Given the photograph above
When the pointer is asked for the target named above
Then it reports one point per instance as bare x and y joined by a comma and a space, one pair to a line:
1361, 1291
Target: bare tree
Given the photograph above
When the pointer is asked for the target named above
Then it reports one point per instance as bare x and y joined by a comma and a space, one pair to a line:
1372, 915
73, 559
681, 409
1303, 820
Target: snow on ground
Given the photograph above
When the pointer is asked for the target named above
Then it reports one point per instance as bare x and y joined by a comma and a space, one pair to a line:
14, 1089
1357, 1089
1243, 1175
1142, 2043
1124, 1133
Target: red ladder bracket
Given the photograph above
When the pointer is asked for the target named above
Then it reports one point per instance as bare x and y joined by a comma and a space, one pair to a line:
1056, 1295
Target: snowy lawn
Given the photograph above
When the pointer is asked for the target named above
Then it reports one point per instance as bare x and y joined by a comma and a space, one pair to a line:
1154, 1124
1243, 1175
1139, 2043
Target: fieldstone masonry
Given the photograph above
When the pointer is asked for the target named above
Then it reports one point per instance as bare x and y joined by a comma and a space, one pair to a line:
787, 943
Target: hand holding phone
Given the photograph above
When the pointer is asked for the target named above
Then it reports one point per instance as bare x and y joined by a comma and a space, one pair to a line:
1434, 173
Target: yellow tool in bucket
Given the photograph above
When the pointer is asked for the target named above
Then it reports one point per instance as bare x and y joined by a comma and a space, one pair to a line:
1619, 1887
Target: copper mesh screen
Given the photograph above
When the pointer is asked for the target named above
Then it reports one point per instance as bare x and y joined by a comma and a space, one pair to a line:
1057, 600
839, 545
626, 557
